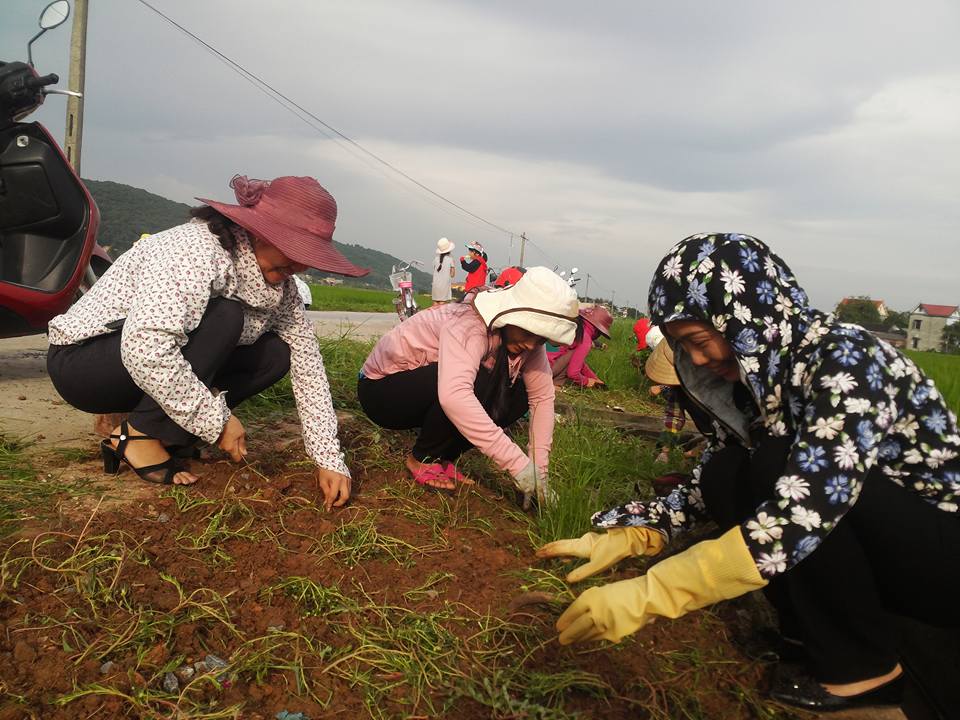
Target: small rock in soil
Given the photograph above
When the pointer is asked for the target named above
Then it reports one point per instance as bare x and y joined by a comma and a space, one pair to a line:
287, 715
170, 683
107, 667
163, 517
185, 673
214, 663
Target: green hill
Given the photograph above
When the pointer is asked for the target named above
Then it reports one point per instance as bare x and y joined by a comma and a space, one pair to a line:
127, 212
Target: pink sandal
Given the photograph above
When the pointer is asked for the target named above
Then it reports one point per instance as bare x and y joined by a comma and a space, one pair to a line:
432, 473
450, 470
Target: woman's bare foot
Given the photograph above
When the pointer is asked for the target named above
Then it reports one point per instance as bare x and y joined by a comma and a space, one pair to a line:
862, 686
142, 453
440, 481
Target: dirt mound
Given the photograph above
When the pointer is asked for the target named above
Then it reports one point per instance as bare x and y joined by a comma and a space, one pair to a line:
242, 597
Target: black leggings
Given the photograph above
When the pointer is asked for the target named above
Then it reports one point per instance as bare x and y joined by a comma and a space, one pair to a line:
891, 558
409, 399
91, 376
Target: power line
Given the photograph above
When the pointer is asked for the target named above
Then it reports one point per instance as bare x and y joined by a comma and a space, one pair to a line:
326, 125
329, 131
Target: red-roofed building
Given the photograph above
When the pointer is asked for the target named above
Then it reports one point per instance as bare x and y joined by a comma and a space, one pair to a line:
927, 322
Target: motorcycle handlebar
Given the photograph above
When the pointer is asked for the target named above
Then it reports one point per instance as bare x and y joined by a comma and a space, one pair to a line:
41, 81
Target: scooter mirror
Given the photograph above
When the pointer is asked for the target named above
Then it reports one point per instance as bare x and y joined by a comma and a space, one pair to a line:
54, 14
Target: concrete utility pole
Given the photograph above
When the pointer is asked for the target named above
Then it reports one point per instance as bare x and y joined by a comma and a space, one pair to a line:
586, 290
78, 61
523, 246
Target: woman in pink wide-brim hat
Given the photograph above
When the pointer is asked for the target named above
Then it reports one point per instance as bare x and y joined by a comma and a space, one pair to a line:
193, 320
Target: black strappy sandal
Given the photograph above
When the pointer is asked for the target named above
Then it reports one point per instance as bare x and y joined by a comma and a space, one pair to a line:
112, 459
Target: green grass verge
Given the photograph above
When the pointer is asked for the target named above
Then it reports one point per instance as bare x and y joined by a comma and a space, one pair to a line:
945, 371
358, 299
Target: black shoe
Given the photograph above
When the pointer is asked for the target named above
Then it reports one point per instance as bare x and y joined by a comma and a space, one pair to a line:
802, 691
161, 473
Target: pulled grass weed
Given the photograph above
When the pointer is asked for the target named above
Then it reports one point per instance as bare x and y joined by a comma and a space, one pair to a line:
358, 539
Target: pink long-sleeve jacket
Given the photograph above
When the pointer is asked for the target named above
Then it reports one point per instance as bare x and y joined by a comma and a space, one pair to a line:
455, 337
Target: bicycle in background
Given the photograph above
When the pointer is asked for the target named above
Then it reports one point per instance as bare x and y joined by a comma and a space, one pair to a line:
401, 280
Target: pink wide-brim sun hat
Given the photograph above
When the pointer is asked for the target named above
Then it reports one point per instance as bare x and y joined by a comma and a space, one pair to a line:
294, 214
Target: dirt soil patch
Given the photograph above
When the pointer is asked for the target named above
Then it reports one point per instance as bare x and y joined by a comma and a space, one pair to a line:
242, 597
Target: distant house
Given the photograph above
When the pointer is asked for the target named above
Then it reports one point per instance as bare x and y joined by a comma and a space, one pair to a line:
878, 304
332, 281
927, 322
898, 340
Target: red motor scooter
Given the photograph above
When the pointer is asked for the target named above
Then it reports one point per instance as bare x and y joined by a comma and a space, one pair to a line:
48, 219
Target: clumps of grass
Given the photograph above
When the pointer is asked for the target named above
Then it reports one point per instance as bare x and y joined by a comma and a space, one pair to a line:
358, 539
591, 468
313, 599
531, 695
428, 589
27, 495
450, 512
231, 519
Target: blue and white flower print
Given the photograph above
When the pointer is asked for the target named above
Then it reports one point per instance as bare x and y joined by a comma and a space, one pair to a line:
850, 403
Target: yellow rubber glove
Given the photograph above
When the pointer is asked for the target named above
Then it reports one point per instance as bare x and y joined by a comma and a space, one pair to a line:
604, 549
708, 572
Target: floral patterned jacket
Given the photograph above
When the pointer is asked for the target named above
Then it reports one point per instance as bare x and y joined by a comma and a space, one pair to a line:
160, 288
851, 402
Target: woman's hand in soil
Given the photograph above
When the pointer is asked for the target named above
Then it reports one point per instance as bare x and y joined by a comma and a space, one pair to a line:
335, 487
604, 549
534, 484
233, 439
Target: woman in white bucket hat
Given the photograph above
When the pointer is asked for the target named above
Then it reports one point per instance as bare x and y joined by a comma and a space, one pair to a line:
465, 371
443, 272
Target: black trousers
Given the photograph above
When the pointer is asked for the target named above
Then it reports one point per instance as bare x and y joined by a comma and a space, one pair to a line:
91, 376
892, 557
409, 399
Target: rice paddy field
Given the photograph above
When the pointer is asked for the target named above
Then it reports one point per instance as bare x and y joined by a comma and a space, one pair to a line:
339, 297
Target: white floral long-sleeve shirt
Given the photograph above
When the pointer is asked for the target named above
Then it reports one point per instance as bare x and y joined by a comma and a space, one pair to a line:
159, 290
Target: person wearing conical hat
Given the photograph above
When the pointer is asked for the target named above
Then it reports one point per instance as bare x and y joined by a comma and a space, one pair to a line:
569, 362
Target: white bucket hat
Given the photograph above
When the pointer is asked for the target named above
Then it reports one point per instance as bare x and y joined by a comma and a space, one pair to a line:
541, 303
444, 246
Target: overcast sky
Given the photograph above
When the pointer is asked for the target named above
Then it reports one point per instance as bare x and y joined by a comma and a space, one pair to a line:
606, 131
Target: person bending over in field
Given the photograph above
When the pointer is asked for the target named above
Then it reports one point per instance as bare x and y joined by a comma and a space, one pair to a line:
833, 471
191, 321
464, 371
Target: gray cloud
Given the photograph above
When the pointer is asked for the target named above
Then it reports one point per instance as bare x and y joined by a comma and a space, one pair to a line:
606, 132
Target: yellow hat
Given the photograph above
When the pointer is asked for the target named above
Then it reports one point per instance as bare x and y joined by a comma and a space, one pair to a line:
659, 367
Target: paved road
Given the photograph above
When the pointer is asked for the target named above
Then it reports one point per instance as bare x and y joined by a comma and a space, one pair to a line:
30, 407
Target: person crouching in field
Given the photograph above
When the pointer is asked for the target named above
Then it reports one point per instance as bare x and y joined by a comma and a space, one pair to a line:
568, 363
833, 472
463, 372
191, 321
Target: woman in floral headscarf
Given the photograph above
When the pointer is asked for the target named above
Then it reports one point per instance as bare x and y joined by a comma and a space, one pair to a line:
833, 469
193, 320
